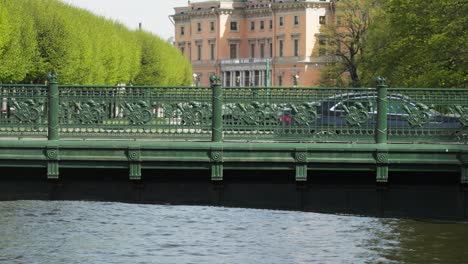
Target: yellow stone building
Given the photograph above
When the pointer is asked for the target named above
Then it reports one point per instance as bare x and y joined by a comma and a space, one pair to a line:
239, 40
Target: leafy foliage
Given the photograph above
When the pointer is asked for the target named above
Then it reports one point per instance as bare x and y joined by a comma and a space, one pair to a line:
37, 37
346, 39
411, 43
420, 44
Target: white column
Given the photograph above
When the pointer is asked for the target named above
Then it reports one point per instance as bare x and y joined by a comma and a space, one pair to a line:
242, 75
233, 76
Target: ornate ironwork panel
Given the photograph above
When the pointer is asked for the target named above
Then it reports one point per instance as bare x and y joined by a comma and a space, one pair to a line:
427, 115
305, 114
249, 113
23, 110
129, 111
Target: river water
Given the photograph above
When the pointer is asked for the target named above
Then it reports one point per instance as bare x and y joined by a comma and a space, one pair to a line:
91, 232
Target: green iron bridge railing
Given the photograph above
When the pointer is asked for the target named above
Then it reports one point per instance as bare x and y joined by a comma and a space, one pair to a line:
218, 128
367, 115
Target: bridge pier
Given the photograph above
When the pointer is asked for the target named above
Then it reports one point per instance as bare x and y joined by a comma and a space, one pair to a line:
300, 158
217, 168
52, 157
381, 159
134, 163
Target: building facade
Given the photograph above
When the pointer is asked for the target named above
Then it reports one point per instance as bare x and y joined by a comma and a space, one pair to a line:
254, 42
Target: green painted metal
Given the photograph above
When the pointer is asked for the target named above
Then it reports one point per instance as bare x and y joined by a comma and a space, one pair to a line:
382, 110
303, 158
247, 113
53, 103
52, 156
23, 110
217, 103
300, 158
381, 131
217, 129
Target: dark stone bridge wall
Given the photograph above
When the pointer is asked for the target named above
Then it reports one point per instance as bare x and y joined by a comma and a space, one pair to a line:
407, 195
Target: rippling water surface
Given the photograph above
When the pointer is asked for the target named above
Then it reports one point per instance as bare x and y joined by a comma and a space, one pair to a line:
90, 232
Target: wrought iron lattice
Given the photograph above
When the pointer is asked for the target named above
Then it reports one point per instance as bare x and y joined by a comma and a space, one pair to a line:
129, 111
428, 115
23, 110
305, 114
260, 113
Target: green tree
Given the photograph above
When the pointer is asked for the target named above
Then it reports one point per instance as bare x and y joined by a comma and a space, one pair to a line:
37, 37
161, 63
346, 39
18, 48
419, 44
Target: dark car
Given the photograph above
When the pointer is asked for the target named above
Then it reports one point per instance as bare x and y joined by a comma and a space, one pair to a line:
359, 111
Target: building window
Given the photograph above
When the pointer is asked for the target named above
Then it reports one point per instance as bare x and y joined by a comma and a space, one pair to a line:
296, 20
234, 26
252, 50
199, 52
281, 46
233, 51
296, 47
280, 80
262, 25
182, 31
322, 20
281, 21
271, 24
212, 51
262, 50
271, 49
198, 27
252, 25
212, 26
182, 49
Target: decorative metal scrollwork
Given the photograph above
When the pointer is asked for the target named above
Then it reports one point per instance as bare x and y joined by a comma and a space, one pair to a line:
324, 133
304, 115
194, 113
169, 110
253, 114
357, 114
90, 112
27, 111
463, 112
419, 115
138, 113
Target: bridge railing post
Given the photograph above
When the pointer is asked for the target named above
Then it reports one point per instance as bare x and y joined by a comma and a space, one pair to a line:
381, 130
53, 104
217, 110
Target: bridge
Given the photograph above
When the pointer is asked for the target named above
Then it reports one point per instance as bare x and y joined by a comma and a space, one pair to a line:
293, 137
